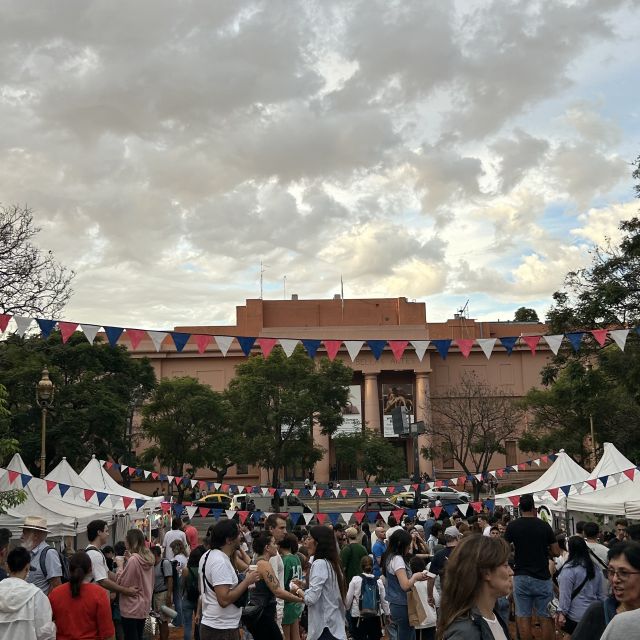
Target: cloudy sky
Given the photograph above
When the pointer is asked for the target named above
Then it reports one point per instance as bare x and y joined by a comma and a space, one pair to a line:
437, 150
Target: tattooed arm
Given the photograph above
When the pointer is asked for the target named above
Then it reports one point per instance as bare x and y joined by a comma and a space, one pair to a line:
266, 573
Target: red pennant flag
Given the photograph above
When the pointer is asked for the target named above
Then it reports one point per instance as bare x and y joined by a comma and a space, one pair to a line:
166, 507
500, 473
476, 506
332, 347
436, 512
592, 483
515, 500
4, 321
203, 511
439, 483
367, 490
154, 475
544, 459
397, 348
343, 492
88, 494
414, 487
465, 346
272, 491
397, 514
108, 464
202, 484
225, 488
67, 329
136, 336
13, 475
296, 492
554, 493
358, 515
320, 492
203, 342
522, 466
266, 344
390, 489
531, 342
629, 473
243, 515
50, 485
322, 517
600, 336
127, 502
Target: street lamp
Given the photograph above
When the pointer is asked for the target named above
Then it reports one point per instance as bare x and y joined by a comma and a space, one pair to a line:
44, 399
589, 368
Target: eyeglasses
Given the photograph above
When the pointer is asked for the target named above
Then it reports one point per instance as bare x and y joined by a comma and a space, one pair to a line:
622, 574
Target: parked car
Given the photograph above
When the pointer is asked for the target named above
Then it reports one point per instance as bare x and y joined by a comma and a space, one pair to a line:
444, 502
403, 498
380, 505
443, 493
214, 501
288, 504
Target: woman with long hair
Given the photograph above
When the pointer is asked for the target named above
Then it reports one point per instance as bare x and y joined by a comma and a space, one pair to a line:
81, 609
478, 573
400, 580
137, 572
624, 577
326, 592
580, 584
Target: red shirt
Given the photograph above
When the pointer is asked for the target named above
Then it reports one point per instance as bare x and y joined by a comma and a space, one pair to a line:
86, 617
192, 536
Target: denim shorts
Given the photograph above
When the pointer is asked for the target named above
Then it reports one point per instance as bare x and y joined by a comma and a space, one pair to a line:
531, 594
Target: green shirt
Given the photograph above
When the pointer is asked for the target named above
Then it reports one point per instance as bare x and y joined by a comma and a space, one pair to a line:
350, 557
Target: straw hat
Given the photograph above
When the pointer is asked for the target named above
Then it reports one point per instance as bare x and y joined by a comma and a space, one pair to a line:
35, 523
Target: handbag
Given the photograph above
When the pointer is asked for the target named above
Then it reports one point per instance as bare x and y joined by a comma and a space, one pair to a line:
150, 628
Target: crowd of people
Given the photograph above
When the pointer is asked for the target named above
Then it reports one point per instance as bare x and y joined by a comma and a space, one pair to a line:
448, 579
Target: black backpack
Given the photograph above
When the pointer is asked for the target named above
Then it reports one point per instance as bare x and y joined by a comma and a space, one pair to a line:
191, 590
64, 564
174, 570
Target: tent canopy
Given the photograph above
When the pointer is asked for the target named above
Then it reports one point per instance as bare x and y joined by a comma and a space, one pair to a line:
612, 461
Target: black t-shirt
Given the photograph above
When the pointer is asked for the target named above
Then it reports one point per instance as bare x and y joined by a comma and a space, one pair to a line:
531, 538
439, 563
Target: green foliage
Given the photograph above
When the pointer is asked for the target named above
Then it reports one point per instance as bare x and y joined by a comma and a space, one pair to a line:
8, 446
188, 423
94, 386
274, 402
525, 314
376, 458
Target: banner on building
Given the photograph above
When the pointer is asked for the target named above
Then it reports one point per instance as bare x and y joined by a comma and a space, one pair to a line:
393, 396
352, 412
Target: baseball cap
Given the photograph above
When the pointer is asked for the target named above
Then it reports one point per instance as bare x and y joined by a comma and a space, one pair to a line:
452, 532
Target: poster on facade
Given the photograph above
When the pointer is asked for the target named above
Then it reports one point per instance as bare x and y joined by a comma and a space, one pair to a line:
395, 395
352, 412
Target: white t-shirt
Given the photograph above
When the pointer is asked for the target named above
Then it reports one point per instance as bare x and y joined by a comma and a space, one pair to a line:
496, 628
182, 560
600, 551
98, 564
172, 536
396, 562
217, 568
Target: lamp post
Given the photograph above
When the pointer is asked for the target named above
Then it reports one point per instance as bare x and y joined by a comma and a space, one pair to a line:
589, 368
44, 398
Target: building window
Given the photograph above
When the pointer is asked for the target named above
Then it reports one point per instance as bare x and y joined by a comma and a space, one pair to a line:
447, 457
511, 452
242, 469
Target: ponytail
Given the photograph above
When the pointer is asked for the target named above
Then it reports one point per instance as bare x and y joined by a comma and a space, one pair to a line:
79, 569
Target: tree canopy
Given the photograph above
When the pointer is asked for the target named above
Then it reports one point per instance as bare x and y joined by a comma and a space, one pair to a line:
31, 281
526, 314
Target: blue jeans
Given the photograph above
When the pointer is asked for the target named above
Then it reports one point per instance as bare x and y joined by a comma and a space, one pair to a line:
188, 609
177, 601
532, 593
400, 617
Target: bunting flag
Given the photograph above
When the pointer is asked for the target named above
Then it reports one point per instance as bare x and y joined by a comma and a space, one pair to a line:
4, 321
531, 342
509, 343
442, 347
202, 342
224, 343
465, 346
332, 347
288, 346
353, 348
487, 345
619, 336
599, 335
22, 325
46, 326
420, 347
136, 336
397, 348
377, 347
266, 345
90, 332
180, 340
554, 343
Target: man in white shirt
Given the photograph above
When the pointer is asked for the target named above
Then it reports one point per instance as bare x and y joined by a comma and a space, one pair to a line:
393, 527
483, 521
591, 531
277, 526
176, 533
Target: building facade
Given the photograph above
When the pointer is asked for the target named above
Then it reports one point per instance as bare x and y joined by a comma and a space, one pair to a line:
378, 384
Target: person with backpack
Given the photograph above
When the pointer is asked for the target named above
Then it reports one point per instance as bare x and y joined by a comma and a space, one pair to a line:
163, 576
366, 601
580, 585
48, 565
191, 592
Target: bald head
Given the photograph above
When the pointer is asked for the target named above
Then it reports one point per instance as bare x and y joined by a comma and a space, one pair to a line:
380, 533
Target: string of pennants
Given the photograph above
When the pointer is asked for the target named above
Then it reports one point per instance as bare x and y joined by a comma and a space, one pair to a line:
381, 490
247, 344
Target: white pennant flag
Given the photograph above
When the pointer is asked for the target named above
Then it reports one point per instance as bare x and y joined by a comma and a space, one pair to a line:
115, 500
191, 511
194, 484
359, 490
147, 475
90, 331
170, 479
486, 344
463, 508
346, 517
288, 346
619, 336
616, 477
537, 462
224, 342
216, 485
554, 342
421, 347
353, 347
335, 492
453, 481
384, 490
265, 491
385, 515
287, 492
407, 487
22, 324
157, 337
308, 517
478, 477
230, 513
268, 513
579, 486
312, 492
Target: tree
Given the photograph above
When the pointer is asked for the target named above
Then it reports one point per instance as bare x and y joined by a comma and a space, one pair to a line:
188, 423
376, 458
31, 281
8, 446
275, 401
525, 314
470, 424
93, 383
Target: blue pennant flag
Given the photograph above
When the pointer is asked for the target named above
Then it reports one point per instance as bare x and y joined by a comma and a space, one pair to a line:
311, 346
566, 489
446, 483
490, 504
553, 457
334, 517
162, 477
442, 346
575, 338
604, 480
372, 516
216, 513
295, 516
256, 515
180, 340
508, 343
412, 513
377, 347
245, 344
178, 509
101, 496
63, 488
46, 326
113, 334
140, 502
116, 466
25, 477
139, 472
450, 508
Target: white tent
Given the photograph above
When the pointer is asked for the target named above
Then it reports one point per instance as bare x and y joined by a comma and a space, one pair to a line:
564, 471
63, 518
621, 496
